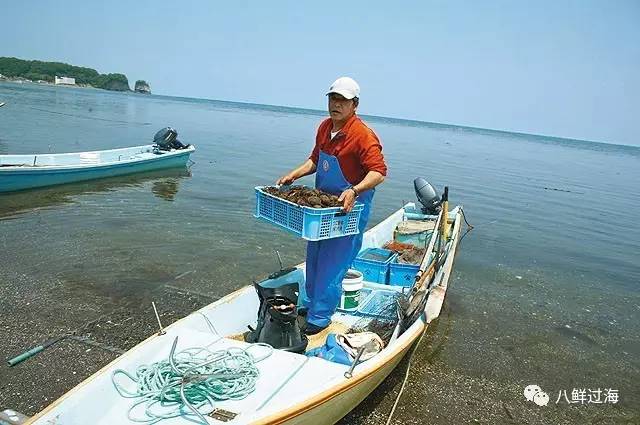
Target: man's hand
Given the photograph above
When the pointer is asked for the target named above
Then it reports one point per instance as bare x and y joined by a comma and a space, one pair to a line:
308, 167
284, 180
348, 198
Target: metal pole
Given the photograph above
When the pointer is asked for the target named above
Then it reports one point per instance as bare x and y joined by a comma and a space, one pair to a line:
348, 374
155, 310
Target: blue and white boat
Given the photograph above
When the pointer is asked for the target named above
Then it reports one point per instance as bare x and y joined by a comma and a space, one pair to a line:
20, 172
286, 387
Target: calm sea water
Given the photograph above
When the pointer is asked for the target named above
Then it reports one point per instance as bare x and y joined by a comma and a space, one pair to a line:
545, 287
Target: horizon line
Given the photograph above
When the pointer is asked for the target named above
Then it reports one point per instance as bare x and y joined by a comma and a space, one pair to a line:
382, 117
469, 127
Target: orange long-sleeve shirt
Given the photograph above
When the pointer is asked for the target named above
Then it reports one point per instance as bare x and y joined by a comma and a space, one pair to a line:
356, 146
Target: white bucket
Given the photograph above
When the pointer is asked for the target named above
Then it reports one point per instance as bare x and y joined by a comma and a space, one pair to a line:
351, 286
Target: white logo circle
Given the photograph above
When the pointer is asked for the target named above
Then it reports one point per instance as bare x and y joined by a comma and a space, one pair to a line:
530, 391
541, 398
325, 165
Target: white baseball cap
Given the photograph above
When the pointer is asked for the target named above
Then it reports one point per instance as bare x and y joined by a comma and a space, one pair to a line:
345, 86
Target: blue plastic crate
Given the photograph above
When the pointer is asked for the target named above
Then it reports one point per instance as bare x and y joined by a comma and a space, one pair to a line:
312, 224
373, 263
402, 274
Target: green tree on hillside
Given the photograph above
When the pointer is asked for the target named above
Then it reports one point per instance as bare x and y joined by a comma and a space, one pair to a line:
39, 70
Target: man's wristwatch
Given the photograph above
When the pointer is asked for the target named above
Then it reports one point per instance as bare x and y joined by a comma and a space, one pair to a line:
354, 190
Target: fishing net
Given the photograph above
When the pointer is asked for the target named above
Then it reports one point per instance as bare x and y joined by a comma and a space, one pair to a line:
381, 314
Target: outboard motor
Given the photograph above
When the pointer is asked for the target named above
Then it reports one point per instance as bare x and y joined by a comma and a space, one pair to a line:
167, 139
427, 196
278, 316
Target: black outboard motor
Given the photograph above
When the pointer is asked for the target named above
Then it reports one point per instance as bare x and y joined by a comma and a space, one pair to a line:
278, 319
427, 196
167, 139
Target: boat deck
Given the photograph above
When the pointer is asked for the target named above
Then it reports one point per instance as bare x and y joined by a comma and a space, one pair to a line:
284, 376
275, 370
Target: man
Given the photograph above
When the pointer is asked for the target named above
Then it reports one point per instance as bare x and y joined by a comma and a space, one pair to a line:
347, 159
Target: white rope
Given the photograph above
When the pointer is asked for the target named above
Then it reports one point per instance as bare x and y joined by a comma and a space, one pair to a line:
406, 376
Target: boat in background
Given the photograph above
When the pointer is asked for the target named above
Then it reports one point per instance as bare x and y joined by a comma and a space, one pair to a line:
21, 172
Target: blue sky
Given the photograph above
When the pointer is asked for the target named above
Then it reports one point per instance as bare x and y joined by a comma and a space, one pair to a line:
560, 68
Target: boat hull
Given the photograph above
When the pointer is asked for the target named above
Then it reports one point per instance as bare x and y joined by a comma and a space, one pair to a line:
24, 178
337, 405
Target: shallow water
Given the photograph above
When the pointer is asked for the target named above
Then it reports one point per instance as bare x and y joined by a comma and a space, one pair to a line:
545, 288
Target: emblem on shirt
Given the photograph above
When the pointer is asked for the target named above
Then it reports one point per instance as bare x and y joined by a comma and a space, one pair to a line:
325, 165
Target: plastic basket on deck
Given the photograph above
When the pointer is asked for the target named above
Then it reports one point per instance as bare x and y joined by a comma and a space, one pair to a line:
402, 274
312, 224
373, 263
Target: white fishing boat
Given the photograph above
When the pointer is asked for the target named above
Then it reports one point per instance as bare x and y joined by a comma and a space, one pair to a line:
287, 387
20, 172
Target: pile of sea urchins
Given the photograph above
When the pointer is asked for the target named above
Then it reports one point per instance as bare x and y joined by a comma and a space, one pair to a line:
304, 196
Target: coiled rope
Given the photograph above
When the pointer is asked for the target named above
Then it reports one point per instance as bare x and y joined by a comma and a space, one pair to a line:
194, 378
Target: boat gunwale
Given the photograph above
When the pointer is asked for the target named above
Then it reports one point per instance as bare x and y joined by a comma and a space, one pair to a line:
35, 169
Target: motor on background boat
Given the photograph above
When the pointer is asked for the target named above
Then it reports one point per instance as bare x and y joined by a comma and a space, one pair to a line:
427, 196
167, 139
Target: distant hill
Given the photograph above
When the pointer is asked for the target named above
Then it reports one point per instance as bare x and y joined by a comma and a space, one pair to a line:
142, 87
46, 71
